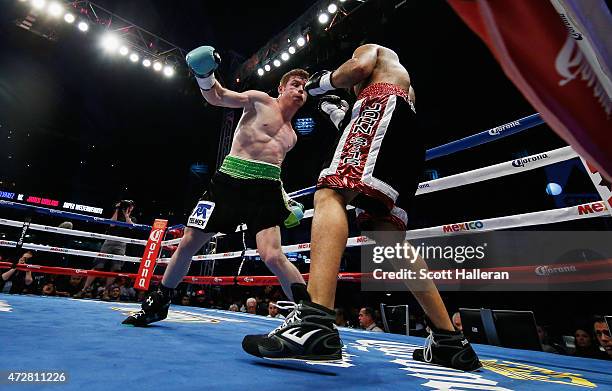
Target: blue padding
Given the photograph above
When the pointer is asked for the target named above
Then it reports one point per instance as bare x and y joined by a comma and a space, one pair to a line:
485, 137
198, 349
72, 215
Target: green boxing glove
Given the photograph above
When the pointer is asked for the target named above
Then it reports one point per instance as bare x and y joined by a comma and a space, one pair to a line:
296, 213
203, 61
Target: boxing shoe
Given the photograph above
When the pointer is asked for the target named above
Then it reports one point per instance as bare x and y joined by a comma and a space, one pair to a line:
449, 349
154, 308
308, 333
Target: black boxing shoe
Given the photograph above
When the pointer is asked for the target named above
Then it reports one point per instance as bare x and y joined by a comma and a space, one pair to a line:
154, 308
449, 349
308, 333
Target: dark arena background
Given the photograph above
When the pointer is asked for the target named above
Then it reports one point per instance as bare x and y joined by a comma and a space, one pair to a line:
98, 107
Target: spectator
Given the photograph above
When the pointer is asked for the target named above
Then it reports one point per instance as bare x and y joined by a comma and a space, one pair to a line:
234, 308
17, 281
185, 300
340, 319
114, 293
366, 320
273, 310
123, 211
603, 336
251, 306
69, 287
543, 336
584, 344
457, 321
48, 289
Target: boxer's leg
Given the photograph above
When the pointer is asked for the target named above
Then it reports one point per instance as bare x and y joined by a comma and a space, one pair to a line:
269, 248
328, 242
192, 242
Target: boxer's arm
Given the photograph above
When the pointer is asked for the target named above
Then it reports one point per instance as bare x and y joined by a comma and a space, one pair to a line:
221, 96
358, 68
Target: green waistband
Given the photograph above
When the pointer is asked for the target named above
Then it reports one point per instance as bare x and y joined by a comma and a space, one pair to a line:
249, 169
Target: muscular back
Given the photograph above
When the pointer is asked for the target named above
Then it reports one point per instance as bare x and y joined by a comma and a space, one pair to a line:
387, 69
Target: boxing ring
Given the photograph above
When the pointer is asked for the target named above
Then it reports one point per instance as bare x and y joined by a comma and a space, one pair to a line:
198, 348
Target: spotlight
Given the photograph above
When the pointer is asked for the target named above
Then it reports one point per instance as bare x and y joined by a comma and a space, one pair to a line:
69, 18
267, 67
55, 9
342, 1
123, 50
83, 26
285, 56
260, 72
38, 4
146, 62
110, 42
157, 66
301, 41
323, 18
291, 50
277, 63
134, 57
332, 8
168, 71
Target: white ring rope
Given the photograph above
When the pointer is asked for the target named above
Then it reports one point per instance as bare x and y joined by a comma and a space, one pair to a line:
452, 181
474, 176
73, 232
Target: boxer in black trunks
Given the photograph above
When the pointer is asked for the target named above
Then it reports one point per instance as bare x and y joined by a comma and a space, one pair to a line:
247, 188
374, 167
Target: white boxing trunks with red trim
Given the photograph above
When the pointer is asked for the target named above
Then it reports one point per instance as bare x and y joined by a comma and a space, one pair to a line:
380, 155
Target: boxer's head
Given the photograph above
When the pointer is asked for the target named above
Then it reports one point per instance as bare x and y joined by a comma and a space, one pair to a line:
291, 86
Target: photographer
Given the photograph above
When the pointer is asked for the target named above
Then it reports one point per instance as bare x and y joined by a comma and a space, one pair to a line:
17, 281
123, 211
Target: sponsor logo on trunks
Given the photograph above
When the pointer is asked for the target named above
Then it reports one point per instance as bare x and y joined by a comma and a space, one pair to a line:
472, 225
594, 207
424, 185
522, 162
361, 239
518, 371
549, 271
201, 213
499, 130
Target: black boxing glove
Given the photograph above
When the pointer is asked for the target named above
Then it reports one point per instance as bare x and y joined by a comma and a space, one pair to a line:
319, 83
334, 108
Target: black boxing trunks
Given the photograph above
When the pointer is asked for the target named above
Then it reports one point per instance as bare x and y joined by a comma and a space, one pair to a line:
244, 191
380, 155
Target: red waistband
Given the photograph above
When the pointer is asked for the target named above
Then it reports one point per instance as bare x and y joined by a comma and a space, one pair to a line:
378, 89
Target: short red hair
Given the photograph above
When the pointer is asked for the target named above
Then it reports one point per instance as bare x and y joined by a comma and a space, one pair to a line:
294, 72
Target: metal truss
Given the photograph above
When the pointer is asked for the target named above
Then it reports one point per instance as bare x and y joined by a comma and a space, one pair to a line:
135, 38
